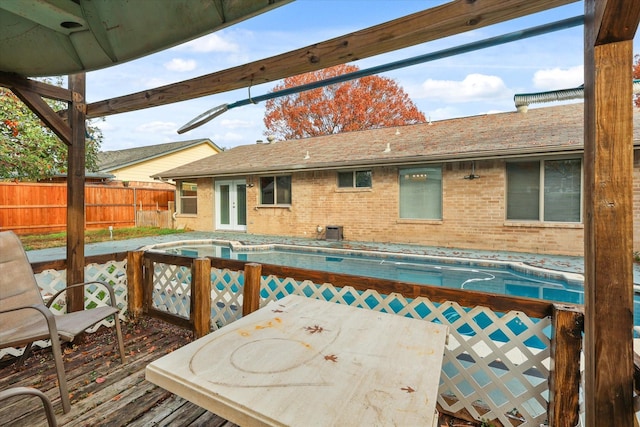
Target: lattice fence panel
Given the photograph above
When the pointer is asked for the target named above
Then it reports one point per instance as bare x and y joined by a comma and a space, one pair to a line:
52, 281
172, 289
227, 288
495, 366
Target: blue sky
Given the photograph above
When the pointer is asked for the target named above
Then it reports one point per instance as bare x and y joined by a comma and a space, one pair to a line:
479, 82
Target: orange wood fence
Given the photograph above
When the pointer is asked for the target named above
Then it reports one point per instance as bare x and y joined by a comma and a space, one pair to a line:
30, 208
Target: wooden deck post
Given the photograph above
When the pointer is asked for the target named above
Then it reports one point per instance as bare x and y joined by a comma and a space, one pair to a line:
608, 176
75, 192
564, 379
147, 283
201, 296
135, 284
251, 296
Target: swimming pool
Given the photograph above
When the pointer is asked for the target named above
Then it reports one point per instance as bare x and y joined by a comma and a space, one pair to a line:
508, 278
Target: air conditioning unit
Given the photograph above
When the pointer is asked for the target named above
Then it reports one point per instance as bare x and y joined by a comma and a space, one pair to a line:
333, 232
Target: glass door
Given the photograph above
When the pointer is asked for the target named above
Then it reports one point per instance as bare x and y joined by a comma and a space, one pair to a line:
231, 205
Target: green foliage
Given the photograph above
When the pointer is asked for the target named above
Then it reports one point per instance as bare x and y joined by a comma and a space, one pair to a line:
53, 240
29, 150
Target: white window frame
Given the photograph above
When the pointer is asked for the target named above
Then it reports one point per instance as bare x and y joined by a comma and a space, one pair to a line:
275, 190
419, 171
541, 191
182, 197
354, 178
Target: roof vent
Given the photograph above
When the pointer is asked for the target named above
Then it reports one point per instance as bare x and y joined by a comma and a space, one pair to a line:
523, 100
271, 139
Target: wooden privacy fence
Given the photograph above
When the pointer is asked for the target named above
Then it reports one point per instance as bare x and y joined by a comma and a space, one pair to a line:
29, 208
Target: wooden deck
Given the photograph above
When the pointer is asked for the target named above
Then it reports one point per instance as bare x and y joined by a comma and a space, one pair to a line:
104, 392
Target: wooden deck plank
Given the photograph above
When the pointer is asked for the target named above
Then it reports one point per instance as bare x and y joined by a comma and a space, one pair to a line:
104, 391
155, 415
184, 415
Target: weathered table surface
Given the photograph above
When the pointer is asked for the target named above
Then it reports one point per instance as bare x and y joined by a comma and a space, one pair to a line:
305, 362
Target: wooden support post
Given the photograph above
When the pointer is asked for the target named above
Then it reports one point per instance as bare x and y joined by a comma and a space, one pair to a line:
147, 283
251, 293
135, 283
564, 379
608, 221
75, 193
201, 296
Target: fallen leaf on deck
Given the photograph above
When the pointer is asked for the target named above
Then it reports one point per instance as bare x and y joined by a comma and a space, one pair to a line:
100, 380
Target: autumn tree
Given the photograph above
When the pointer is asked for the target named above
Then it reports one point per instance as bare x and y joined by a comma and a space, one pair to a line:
366, 103
636, 75
29, 149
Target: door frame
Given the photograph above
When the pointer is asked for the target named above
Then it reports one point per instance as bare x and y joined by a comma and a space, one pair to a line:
233, 211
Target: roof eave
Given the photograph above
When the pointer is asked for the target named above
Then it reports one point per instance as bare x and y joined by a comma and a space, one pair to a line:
538, 151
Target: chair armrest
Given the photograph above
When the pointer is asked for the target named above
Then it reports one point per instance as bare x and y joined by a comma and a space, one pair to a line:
112, 295
29, 391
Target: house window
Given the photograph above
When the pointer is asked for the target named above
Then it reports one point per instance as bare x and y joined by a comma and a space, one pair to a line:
188, 198
545, 190
354, 179
275, 190
421, 193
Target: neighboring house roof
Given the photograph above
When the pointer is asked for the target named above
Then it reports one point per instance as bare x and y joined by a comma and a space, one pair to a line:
117, 159
540, 131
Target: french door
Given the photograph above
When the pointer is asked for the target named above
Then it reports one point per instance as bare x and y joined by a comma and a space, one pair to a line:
231, 205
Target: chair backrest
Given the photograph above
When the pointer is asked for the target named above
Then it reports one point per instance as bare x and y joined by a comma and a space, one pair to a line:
18, 286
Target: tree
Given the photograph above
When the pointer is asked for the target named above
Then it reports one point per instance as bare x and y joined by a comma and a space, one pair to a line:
29, 149
366, 103
636, 75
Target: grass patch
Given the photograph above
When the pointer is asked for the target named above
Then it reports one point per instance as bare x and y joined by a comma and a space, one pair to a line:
55, 240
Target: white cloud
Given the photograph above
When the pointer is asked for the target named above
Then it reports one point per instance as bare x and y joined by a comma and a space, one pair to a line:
155, 82
103, 125
158, 127
236, 124
474, 87
180, 65
442, 113
210, 43
558, 78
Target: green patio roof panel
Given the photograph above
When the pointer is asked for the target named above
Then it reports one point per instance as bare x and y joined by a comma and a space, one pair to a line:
58, 37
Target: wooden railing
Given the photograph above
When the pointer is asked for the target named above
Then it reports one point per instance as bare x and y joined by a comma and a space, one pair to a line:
566, 320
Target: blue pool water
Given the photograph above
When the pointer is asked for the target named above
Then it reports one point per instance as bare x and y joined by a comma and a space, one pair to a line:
478, 275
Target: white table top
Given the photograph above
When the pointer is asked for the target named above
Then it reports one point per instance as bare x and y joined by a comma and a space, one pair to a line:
305, 362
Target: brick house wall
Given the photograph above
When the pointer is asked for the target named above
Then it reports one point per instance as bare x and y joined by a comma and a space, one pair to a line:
473, 212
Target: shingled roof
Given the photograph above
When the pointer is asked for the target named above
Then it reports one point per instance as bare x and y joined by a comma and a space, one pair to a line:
557, 129
112, 160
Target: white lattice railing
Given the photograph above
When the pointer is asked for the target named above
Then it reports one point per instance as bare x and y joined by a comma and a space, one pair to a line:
172, 293
52, 281
495, 365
